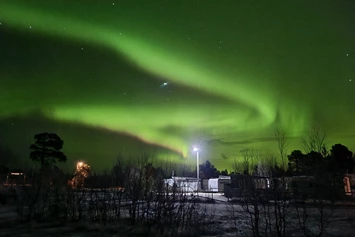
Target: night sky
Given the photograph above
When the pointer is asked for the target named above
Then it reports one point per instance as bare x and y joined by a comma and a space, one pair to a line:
128, 77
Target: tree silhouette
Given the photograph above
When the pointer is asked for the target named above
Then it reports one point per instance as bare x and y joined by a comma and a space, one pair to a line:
207, 171
341, 159
224, 172
304, 164
295, 162
117, 173
313, 161
47, 148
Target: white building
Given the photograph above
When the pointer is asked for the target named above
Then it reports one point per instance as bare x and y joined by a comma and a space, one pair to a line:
217, 184
183, 184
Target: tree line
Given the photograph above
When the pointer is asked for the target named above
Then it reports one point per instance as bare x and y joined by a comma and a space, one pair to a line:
338, 160
135, 191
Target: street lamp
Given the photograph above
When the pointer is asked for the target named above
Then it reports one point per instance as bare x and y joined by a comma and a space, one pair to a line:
197, 168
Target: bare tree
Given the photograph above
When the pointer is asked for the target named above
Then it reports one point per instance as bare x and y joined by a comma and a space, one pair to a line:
237, 166
280, 137
279, 186
249, 191
314, 212
315, 140
251, 156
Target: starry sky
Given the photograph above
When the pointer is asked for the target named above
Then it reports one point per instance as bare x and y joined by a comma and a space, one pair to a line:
128, 77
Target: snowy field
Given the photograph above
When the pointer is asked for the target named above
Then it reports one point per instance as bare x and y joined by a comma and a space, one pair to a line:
225, 219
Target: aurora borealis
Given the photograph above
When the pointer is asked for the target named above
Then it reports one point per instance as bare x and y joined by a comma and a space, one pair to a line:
92, 71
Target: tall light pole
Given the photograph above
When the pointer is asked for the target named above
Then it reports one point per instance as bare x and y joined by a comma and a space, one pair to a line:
197, 168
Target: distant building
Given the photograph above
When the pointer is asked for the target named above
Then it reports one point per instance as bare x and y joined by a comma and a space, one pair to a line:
349, 184
242, 185
217, 184
182, 184
15, 178
294, 187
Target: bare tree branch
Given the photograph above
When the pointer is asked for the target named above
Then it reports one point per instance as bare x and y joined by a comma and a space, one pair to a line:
281, 143
314, 140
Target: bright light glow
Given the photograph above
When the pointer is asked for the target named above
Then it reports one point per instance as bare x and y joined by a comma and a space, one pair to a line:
79, 164
195, 148
16, 173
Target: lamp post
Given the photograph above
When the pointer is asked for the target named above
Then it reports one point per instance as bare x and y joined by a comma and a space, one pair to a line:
197, 168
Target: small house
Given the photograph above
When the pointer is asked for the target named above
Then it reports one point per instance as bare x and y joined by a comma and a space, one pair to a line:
182, 184
217, 184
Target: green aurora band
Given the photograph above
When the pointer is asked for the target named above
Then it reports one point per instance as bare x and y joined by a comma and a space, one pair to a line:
248, 109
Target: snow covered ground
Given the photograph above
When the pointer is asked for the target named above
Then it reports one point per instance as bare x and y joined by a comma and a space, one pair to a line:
225, 219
